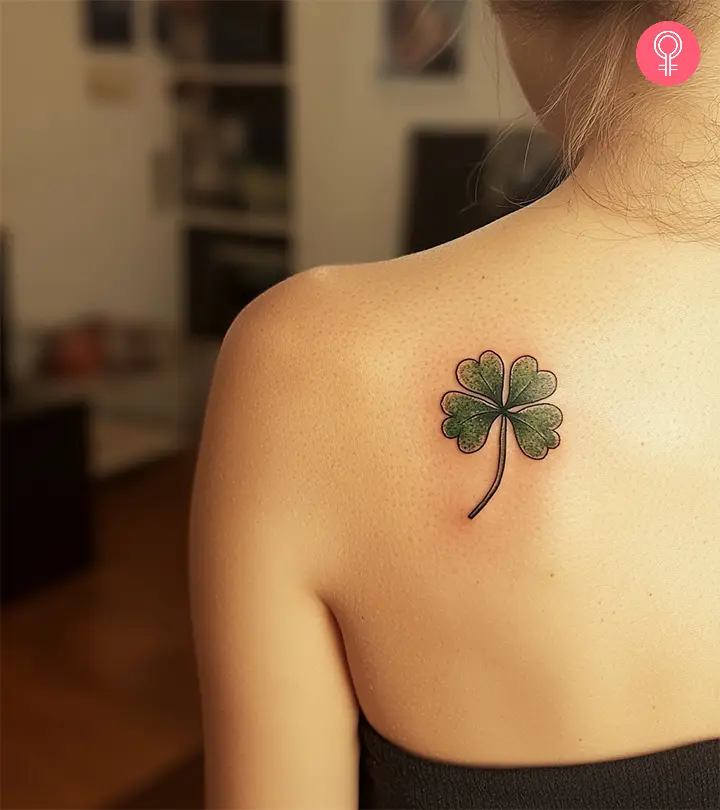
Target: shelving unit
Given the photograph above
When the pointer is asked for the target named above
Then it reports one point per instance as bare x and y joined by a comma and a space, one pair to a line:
237, 222
251, 75
232, 82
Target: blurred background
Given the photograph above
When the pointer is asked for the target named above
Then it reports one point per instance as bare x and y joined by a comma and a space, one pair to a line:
163, 162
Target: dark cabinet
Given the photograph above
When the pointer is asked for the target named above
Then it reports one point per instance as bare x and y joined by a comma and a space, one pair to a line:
46, 515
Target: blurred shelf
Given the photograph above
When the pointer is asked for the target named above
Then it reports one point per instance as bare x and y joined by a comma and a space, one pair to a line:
245, 222
253, 75
117, 446
158, 411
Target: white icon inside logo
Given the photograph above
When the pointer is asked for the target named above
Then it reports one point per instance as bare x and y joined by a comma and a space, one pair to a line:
668, 66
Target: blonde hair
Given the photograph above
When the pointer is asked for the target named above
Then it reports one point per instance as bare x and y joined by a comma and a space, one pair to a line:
606, 34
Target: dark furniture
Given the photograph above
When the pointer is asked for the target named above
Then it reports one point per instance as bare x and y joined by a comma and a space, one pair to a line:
45, 496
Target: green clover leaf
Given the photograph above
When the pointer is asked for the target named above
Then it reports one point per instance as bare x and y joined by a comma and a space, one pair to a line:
527, 384
534, 428
470, 420
485, 377
471, 415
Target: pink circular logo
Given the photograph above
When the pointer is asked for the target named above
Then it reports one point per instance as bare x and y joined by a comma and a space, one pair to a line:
668, 53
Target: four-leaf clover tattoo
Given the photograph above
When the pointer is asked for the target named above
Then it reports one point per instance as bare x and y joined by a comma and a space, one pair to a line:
471, 413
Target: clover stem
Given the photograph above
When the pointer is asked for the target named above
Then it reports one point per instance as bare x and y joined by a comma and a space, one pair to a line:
501, 468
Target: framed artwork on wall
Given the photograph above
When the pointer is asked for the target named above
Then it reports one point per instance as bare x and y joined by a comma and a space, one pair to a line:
422, 37
109, 23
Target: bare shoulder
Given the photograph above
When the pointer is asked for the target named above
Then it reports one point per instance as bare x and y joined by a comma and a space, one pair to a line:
276, 694
304, 333
286, 312
344, 304
276, 417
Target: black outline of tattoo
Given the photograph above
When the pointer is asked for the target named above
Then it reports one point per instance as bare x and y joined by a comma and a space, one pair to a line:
507, 410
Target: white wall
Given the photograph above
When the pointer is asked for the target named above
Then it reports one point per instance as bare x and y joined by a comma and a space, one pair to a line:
351, 124
75, 180
75, 183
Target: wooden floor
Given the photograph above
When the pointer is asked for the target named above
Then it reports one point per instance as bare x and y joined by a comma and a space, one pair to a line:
99, 694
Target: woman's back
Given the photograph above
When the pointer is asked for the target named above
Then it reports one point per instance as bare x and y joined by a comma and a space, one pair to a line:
461, 508
577, 617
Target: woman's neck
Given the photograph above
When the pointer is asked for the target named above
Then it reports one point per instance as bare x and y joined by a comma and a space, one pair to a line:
662, 164
661, 172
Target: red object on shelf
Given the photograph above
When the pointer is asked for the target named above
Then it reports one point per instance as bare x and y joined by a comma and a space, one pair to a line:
97, 346
75, 351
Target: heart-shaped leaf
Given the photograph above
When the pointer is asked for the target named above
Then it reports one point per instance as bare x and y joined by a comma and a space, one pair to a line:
484, 377
535, 429
470, 420
527, 384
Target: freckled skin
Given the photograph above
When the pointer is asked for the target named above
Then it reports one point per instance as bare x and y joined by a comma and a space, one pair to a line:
510, 637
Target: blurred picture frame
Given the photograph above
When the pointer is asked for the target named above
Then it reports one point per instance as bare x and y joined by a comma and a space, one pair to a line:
109, 23
422, 38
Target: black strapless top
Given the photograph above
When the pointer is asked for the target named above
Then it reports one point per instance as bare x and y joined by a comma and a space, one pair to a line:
684, 777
